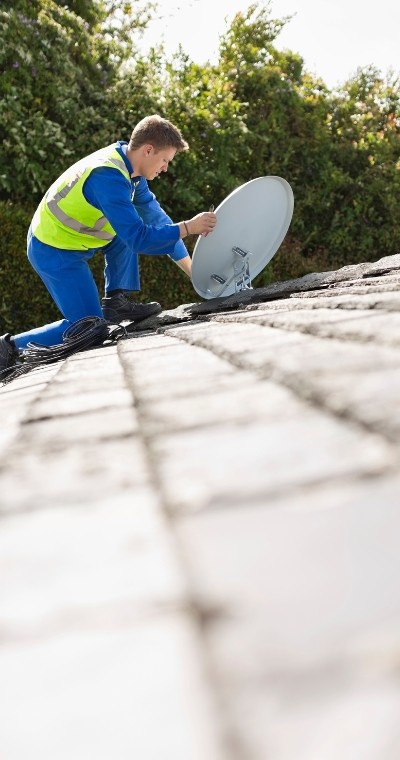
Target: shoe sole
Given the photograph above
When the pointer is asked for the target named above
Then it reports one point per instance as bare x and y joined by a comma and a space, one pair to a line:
111, 315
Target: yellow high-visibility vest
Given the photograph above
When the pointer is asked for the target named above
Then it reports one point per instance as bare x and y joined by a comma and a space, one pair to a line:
64, 218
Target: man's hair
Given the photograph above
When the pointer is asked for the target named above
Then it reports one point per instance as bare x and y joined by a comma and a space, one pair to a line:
158, 132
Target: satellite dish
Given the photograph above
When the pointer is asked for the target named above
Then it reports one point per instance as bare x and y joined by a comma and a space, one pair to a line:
251, 225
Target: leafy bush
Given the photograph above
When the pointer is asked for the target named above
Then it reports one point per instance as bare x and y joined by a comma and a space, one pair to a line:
58, 62
25, 302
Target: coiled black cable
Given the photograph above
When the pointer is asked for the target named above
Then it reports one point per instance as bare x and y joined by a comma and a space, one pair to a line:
86, 333
81, 335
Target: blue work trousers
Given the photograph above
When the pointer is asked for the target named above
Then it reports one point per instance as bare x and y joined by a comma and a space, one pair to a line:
69, 280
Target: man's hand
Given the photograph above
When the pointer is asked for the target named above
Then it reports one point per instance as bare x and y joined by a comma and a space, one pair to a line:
201, 224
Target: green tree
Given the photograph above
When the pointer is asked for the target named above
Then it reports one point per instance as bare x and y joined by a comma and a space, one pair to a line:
364, 202
284, 111
339, 151
58, 68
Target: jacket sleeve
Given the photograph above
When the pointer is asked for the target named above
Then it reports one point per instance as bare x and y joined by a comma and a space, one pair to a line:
151, 212
109, 191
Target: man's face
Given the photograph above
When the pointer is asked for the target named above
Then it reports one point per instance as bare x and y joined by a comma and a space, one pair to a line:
156, 161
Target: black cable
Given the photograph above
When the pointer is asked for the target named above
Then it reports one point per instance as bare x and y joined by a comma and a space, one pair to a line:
86, 333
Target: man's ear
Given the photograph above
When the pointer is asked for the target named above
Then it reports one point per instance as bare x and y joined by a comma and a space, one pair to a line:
148, 149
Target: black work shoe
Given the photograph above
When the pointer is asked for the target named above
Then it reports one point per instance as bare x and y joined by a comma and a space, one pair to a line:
8, 356
118, 308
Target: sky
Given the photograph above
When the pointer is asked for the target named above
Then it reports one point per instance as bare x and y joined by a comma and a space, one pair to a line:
333, 37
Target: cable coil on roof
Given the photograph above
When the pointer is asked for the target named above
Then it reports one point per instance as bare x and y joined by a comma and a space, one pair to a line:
86, 333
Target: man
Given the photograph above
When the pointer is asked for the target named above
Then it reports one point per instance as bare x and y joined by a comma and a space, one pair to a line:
104, 202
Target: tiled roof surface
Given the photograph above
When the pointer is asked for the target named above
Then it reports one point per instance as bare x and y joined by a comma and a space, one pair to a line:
199, 544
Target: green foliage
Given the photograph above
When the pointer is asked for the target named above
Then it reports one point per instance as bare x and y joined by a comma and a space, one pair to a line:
364, 210
57, 71
72, 82
24, 302
163, 281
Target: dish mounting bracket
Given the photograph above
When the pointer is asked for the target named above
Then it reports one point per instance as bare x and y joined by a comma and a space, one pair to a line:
241, 273
241, 269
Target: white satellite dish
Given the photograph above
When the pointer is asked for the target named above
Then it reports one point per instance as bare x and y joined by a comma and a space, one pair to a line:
251, 225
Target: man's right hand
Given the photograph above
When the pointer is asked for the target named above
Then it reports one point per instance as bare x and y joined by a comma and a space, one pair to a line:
202, 223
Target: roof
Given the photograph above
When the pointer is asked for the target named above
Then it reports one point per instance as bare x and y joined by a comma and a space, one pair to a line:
199, 545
